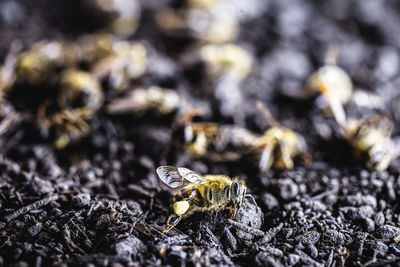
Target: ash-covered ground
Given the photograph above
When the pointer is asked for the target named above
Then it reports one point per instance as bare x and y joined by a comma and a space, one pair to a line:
99, 201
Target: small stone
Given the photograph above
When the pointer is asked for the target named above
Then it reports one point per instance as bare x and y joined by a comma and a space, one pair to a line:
287, 189
129, 247
388, 232
35, 229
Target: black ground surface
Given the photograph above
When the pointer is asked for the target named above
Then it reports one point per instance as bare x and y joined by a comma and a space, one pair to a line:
100, 201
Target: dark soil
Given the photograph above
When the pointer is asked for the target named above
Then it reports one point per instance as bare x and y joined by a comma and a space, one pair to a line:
100, 201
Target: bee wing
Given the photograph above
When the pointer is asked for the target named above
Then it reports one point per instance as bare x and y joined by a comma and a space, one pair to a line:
191, 176
170, 176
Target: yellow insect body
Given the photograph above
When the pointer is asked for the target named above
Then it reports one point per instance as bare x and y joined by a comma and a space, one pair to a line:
370, 139
277, 147
202, 194
280, 146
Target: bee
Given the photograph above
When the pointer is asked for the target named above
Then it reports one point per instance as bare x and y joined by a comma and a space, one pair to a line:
228, 60
79, 89
80, 96
122, 16
127, 62
201, 20
201, 193
38, 63
94, 47
217, 142
370, 140
279, 145
70, 126
141, 100
334, 85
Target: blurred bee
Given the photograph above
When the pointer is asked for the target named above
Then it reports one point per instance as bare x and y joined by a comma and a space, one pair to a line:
79, 98
40, 62
206, 21
214, 141
70, 126
333, 84
219, 60
79, 89
201, 193
126, 63
279, 145
94, 47
141, 100
122, 16
370, 140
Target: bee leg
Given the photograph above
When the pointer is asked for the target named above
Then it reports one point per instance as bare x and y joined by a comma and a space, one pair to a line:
338, 111
180, 208
233, 214
266, 158
172, 221
286, 157
306, 157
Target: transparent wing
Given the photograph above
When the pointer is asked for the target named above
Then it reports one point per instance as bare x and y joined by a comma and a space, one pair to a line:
170, 176
191, 176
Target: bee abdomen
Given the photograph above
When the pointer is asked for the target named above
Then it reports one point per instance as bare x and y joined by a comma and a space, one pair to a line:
192, 195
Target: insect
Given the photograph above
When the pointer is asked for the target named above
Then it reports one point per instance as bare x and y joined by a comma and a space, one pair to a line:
93, 47
229, 61
38, 63
214, 141
141, 100
122, 16
205, 21
370, 140
127, 62
279, 145
79, 89
80, 96
334, 85
201, 193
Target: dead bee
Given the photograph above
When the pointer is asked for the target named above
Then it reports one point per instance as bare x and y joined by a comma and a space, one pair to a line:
214, 141
201, 193
40, 61
141, 100
202, 20
79, 89
127, 62
70, 126
79, 98
333, 84
280, 145
122, 16
219, 60
94, 47
277, 147
370, 140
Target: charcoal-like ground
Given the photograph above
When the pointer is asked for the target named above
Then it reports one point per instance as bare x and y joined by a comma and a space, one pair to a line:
101, 202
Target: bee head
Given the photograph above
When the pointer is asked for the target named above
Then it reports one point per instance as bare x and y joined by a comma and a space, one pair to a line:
237, 192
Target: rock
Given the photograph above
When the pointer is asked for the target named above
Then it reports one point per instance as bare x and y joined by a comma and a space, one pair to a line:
129, 247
